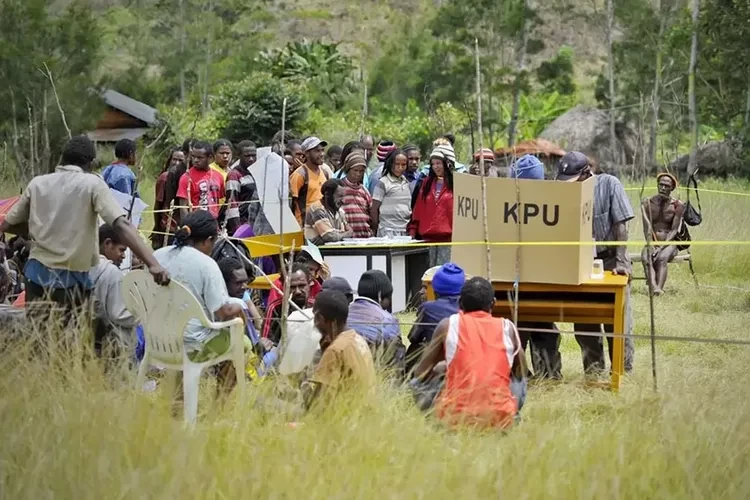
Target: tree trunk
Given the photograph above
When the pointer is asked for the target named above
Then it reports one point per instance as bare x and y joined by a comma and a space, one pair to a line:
611, 75
656, 95
182, 52
691, 91
746, 123
520, 69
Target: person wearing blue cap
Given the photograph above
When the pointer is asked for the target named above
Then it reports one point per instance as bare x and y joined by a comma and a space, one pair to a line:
527, 167
612, 211
446, 283
544, 337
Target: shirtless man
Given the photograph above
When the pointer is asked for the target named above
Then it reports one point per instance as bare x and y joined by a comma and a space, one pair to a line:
662, 216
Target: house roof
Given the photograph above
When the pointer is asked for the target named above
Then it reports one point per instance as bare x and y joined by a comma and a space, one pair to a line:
134, 108
534, 147
115, 134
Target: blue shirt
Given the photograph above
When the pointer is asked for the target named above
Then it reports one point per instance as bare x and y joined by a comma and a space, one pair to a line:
119, 177
371, 321
46, 277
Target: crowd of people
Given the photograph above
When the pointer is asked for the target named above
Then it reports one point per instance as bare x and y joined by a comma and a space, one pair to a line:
361, 190
467, 363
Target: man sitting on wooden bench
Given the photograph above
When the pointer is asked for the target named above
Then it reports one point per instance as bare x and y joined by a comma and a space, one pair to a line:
662, 217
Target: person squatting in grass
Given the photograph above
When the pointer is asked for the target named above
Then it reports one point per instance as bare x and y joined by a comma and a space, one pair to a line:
482, 359
346, 367
61, 210
662, 217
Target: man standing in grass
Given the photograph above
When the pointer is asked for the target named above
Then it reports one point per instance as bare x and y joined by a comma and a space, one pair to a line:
118, 175
612, 211
346, 365
201, 188
662, 217
62, 210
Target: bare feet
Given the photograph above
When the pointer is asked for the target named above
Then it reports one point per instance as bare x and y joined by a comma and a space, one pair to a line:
658, 292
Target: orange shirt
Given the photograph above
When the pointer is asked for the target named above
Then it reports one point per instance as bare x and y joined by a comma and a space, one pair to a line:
314, 182
479, 352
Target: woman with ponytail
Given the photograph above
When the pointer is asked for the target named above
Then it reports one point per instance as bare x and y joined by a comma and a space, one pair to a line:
189, 263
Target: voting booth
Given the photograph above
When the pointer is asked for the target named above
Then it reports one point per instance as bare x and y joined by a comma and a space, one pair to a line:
549, 211
271, 174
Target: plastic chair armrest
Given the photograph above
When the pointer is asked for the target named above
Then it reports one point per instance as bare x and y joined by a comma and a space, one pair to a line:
223, 324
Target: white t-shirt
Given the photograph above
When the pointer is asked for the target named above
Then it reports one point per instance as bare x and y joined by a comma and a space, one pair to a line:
200, 274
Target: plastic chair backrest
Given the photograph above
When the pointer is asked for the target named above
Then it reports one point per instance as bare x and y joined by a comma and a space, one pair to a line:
163, 311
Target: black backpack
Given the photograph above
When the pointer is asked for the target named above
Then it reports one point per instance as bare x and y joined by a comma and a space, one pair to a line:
692, 217
223, 249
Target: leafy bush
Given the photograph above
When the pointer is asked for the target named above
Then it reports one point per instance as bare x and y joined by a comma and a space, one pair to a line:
327, 73
251, 108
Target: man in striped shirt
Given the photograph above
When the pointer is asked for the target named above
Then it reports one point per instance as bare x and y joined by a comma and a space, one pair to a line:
357, 201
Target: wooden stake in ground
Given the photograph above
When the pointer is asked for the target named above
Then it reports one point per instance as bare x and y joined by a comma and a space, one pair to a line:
482, 172
286, 275
691, 91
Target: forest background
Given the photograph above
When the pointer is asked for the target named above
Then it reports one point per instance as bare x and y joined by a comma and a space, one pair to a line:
399, 70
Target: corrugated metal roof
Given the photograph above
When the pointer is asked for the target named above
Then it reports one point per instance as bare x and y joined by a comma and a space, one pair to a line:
143, 112
115, 134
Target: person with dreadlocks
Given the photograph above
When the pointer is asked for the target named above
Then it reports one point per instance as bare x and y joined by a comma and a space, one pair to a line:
432, 205
391, 199
189, 262
325, 222
164, 219
662, 217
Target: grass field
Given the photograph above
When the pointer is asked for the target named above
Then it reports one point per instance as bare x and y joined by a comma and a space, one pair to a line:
68, 433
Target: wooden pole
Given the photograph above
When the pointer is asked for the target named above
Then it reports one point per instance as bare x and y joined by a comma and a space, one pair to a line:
285, 302
691, 91
482, 171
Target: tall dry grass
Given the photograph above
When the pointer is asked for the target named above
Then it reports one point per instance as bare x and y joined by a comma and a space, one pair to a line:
69, 431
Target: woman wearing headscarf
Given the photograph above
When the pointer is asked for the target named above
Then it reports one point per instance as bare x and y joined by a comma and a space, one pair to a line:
357, 202
432, 205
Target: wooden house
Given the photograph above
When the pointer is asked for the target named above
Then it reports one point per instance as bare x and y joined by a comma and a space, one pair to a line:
123, 118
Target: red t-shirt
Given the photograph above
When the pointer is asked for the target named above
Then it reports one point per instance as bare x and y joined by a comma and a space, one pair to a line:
203, 189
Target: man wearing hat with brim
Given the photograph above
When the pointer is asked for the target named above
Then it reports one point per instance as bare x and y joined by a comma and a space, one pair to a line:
612, 211
305, 182
662, 217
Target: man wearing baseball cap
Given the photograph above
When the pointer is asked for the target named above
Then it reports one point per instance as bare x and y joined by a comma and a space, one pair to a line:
612, 211
339, 284
305, 182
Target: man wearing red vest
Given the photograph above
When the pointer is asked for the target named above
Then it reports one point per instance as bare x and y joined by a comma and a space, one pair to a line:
484, 384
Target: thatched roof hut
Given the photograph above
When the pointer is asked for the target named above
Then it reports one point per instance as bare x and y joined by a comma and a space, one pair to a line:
545, 150
586, 130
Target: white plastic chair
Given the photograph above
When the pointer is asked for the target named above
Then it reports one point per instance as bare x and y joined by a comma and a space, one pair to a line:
164, 312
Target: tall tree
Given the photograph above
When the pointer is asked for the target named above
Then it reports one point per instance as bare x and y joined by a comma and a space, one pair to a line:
611, 77
523, 42
691, 88
36, 49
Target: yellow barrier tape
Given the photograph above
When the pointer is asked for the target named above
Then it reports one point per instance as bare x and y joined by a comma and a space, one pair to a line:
630, 243
701, 190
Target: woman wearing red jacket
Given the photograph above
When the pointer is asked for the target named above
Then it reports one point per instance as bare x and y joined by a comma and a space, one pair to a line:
432, 210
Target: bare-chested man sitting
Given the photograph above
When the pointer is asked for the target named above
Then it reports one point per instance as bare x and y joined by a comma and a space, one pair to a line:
662, 216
